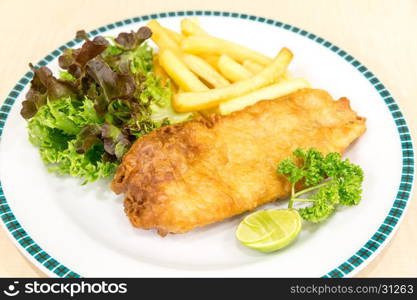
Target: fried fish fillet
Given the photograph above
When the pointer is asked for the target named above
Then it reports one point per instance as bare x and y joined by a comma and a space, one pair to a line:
203, 171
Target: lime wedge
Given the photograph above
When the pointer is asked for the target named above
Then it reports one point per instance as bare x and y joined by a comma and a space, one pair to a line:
269, 230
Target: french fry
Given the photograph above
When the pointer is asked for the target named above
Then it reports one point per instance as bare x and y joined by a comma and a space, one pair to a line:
256, 68
210, 58
232, 70
179, 72
161, 37
171, 58
175, 36
159, 71
191, 27
252, 66
204, 70
267, 93
287, 76
167, 40
197, 44
191, 101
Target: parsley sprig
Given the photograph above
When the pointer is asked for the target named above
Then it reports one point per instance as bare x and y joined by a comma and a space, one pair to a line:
328, 180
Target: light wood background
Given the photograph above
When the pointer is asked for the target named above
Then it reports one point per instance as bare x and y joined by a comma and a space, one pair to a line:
380, 33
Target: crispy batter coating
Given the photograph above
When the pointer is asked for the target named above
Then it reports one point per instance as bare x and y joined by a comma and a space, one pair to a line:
203, 171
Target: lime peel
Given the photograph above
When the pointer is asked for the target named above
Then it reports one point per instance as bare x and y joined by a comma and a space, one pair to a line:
269, 230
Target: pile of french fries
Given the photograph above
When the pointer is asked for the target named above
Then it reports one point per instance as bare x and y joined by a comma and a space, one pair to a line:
212, 74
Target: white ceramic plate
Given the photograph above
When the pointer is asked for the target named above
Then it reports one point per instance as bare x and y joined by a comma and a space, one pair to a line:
70, 230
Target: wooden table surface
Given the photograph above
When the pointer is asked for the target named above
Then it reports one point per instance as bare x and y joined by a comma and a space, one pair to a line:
380, 33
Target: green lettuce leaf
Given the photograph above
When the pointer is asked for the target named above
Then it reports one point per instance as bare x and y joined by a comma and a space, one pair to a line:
88, 166
106, 97
56, 129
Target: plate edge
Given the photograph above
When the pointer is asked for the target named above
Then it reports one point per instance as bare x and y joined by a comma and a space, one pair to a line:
344, 269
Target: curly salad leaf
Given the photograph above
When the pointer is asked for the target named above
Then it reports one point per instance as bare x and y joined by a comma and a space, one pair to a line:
329, 180
107, 96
